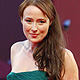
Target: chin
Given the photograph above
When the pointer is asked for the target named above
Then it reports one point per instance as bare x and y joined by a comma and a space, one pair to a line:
35, 41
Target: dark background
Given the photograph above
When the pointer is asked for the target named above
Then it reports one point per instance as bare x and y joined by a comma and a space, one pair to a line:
11, 29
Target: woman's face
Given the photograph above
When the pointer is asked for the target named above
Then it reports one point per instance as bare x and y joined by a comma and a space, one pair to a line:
35, 24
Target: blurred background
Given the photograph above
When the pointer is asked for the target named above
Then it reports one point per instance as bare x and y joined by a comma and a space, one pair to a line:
11, 29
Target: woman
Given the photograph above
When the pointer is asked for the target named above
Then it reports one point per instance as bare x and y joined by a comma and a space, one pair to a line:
43, 55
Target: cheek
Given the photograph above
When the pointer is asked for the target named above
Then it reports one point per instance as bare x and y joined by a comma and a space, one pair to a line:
43, 28
26, 27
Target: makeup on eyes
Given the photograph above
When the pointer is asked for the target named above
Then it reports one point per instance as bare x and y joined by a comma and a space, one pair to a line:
39, 21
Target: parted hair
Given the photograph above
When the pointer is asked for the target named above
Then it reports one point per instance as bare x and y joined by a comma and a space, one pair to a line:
49, 53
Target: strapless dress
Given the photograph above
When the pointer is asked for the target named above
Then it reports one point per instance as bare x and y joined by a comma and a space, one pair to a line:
29, 75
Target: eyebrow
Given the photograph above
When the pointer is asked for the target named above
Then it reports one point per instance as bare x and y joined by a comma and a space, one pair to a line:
27, 18
32, 18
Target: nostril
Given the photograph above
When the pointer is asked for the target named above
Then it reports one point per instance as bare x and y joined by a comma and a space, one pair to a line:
34, 30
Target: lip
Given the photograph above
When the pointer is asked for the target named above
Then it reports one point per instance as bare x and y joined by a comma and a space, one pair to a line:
34, 35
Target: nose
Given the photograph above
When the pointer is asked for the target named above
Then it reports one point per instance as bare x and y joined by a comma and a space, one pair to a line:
34, 27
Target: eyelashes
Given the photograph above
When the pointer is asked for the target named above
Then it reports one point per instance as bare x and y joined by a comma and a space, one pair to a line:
38, 21
28, 21
42, 21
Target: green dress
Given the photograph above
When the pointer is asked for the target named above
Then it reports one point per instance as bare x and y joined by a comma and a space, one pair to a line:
30, 75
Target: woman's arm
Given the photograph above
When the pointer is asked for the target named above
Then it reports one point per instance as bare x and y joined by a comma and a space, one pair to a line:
71, 68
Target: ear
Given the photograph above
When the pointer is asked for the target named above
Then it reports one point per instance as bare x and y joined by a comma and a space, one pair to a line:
21, 20
51, 21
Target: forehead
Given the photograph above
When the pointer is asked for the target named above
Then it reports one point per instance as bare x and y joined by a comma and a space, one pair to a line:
32, 10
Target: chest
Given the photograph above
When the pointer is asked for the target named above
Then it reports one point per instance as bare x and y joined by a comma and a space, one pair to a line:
24, 62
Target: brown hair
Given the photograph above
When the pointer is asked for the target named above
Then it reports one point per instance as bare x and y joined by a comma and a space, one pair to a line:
49, 52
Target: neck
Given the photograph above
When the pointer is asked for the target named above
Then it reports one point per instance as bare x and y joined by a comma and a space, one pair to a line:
32, 45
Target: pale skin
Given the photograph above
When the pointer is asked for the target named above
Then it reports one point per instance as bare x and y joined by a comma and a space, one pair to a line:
35, 28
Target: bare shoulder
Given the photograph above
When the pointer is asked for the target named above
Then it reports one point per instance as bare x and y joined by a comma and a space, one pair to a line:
69, 56
71, 68
15, 48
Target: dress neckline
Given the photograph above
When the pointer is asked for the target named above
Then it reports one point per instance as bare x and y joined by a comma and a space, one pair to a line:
27, 72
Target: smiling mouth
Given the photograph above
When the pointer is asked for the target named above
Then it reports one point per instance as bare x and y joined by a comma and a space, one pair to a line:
34, 35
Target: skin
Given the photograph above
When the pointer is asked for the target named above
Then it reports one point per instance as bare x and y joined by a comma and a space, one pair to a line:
22, 56
71, 68
35, 24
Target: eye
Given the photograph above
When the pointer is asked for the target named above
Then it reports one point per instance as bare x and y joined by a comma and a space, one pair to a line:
42, 21
28, 20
